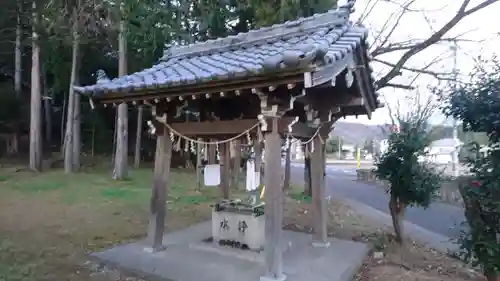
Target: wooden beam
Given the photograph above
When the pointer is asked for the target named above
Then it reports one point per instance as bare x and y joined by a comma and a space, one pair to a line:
367, 79
366, 105
161, 177
208, 87
235, 127
301, 130
274, 204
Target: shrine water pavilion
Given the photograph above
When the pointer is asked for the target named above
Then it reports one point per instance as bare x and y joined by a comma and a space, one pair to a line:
288, 80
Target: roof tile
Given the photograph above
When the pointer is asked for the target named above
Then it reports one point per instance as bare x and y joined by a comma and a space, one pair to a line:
320, 39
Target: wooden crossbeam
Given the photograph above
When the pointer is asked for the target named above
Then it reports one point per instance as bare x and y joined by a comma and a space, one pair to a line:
235, 127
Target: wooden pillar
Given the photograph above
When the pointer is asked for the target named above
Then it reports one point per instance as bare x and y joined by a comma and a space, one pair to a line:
161, 176
286, 181
199, 173
236, 161
307, 170
257, 147
273, 199
212, 153
205, 153
318, 194
224, 155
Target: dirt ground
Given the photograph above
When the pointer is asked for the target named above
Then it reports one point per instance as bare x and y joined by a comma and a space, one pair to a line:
388, 261
49, 222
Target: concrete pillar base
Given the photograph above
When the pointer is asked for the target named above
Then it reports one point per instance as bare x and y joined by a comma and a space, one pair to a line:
271, 278
321, 244
155, 249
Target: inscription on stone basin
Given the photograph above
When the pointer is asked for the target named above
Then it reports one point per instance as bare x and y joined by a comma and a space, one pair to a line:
243, 228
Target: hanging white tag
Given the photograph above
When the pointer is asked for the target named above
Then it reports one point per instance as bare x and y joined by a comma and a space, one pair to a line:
250, 184
257, 179
212, 175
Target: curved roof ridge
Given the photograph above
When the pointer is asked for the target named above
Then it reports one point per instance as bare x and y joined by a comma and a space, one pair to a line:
332, 18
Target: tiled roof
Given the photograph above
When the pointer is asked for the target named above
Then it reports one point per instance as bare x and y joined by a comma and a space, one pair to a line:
320, 39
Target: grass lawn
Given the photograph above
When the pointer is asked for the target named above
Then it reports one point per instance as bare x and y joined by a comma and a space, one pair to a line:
50, 221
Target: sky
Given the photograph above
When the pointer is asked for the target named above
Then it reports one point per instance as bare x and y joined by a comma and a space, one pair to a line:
479, 29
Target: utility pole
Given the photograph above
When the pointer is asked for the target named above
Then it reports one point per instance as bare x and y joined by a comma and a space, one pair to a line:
456, 141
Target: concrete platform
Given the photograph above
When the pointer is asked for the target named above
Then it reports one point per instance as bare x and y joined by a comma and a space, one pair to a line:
187, 258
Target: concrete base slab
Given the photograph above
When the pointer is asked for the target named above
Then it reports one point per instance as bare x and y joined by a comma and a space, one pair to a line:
187, 258
228, 252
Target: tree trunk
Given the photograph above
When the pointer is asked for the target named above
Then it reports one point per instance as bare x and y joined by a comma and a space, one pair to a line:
77, 111
115, 138
68, 136
47, 109
138, 137
77, 142
14, 147
18, 50
36, 101
93, 140
397, 210
121, 155
121, 144
63, 121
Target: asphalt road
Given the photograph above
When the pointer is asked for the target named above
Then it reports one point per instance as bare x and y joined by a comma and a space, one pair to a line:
341, 183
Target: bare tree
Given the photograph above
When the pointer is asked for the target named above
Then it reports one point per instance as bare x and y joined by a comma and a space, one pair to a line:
121, 155
69, 155
36, 99
14, 147
385, 43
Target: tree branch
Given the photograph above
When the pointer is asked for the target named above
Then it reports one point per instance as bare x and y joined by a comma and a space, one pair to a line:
438, 75
400, 86
410, 44
434, 38
395, 25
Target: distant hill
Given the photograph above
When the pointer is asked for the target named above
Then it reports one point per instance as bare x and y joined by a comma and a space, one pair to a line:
357, 133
